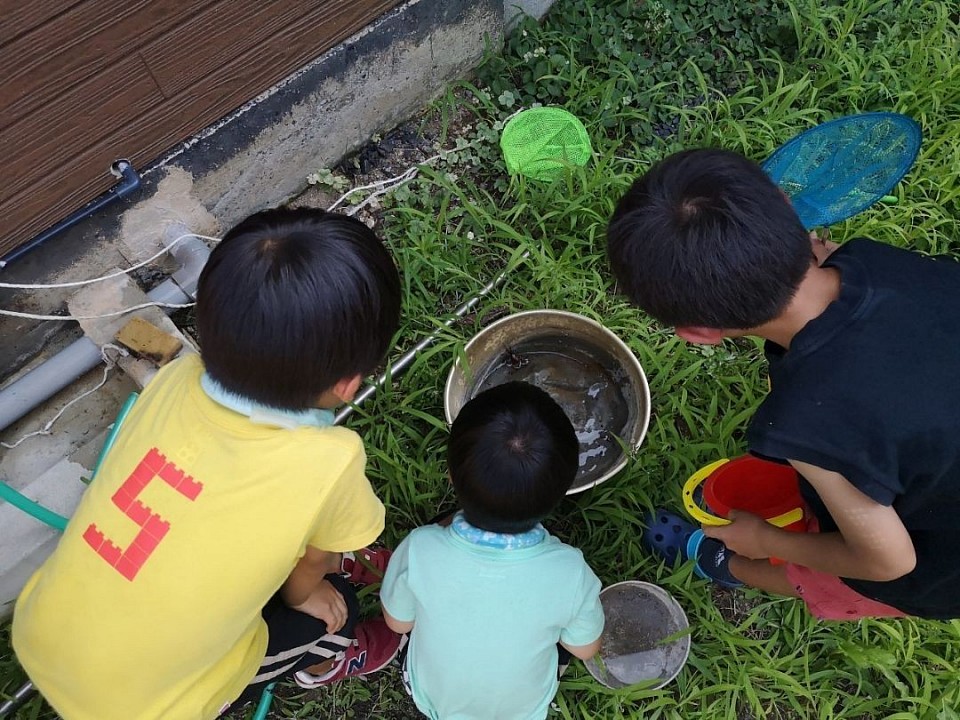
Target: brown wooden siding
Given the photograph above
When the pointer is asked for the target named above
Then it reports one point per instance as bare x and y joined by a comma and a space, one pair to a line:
87, 83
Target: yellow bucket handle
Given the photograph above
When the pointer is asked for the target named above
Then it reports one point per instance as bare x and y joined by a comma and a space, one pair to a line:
705, 518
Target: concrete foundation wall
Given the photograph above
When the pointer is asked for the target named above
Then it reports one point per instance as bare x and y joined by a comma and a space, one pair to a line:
262, 156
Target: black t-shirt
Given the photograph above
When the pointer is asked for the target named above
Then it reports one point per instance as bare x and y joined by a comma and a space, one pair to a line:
871, 389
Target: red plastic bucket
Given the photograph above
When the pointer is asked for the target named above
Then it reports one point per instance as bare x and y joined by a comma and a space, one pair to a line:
758, 486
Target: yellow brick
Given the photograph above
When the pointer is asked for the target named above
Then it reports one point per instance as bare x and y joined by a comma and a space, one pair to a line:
149, 341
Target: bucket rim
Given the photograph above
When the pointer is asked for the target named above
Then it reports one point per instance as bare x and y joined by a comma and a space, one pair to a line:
643, 387
676, 611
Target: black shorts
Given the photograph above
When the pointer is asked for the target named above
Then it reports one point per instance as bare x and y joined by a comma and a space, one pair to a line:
297, 640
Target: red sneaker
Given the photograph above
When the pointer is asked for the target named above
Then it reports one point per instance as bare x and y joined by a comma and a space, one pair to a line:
366, 566
375, 647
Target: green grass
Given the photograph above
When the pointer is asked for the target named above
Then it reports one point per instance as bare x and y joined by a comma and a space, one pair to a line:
647, 79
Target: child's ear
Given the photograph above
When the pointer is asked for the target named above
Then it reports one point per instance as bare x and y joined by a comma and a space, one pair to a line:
347, 388
700, 335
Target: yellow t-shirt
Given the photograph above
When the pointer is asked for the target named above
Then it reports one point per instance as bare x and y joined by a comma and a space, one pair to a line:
150, 605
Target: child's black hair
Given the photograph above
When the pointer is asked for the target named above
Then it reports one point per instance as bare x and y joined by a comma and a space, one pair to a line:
512, 455
706, 238
293, 301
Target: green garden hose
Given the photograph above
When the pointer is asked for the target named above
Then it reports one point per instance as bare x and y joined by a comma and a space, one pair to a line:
32, 508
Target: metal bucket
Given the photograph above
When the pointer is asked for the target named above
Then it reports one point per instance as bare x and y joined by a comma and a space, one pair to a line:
644, 638
587, 369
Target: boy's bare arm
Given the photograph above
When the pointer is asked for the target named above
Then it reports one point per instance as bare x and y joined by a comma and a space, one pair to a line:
307, 591
584, 652
398, 626
872, 543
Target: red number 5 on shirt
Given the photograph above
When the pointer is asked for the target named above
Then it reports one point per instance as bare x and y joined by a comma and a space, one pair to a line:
129, 560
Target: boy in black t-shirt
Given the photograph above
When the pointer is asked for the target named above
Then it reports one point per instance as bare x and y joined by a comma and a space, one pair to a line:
864, 350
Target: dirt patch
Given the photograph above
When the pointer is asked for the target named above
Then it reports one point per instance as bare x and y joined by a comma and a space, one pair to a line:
734, 606
635, 624
390, 156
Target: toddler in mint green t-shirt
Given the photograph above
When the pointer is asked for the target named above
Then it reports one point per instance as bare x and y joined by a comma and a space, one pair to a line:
493, 602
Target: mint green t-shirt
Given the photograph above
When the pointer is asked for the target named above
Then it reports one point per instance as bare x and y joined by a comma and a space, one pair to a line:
487, 621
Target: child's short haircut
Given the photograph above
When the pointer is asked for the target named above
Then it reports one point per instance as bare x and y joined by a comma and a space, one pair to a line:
706, 238
513, 454
293, 301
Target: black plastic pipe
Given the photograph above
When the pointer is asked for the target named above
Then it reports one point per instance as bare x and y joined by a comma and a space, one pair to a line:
129, 181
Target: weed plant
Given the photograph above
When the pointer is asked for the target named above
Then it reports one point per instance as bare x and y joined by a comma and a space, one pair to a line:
648, 78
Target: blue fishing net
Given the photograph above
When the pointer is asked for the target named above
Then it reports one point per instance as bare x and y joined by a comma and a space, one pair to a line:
840, 168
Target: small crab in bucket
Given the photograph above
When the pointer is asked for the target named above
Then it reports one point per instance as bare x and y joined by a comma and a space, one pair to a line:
515, 360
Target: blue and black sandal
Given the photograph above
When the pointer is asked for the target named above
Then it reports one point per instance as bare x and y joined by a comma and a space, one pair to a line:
671, 536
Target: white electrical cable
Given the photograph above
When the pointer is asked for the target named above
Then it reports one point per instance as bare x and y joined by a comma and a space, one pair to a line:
372, 186
118, 273
383, 187
380, 187
113, 313
400, 180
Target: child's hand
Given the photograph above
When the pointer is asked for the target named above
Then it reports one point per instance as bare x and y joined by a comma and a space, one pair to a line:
744, 535
327, 604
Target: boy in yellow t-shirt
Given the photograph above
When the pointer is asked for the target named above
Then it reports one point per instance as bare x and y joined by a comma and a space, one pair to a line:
213, 553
